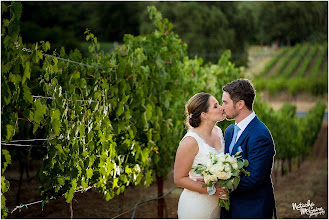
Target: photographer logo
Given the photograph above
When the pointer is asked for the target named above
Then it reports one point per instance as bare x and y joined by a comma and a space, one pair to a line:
308, 208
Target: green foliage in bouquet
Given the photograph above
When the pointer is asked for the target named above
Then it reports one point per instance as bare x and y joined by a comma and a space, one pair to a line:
225, 171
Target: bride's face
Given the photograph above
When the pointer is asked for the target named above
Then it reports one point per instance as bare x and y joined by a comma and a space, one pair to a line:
215, 111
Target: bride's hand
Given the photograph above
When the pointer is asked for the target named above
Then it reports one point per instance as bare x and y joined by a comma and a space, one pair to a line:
201, 180
221, 192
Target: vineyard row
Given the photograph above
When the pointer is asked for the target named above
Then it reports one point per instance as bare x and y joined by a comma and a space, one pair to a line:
302, 60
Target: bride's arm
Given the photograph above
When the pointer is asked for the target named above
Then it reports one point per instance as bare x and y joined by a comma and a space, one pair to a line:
185, 154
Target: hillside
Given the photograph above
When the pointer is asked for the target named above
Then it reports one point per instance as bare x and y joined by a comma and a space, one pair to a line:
298, 74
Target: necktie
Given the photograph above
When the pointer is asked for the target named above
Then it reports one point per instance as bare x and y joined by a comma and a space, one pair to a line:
236, 130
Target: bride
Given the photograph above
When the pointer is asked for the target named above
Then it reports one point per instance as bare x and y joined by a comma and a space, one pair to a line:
203, 112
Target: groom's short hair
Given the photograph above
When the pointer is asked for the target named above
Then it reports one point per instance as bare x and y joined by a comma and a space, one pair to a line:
241, 89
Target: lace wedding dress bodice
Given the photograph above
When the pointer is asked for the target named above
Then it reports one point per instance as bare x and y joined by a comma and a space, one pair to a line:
194, 205
204, 150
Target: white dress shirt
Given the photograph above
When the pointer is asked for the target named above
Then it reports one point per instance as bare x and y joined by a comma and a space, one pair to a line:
244, 123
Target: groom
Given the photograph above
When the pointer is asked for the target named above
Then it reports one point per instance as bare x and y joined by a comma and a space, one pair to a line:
254, 197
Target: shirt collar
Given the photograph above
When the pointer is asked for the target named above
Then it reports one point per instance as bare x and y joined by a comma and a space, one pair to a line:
244, 123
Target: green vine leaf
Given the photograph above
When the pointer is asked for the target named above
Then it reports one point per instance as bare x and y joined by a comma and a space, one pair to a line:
27, 73
27, 94
70, 193
5, 22
10, 132
55, 121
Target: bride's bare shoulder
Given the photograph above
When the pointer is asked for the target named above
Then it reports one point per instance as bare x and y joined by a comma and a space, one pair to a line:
188, 142
218, 129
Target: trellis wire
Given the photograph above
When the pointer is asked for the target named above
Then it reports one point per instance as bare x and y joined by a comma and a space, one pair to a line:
19, 207
52, 56
82, 191
135, 207
45, 97
15, 141
21, 145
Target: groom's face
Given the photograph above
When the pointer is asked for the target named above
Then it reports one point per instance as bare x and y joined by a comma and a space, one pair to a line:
229, 108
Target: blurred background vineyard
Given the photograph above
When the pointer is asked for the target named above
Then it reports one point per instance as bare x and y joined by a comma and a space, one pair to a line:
282, 47
292, 35
208, 28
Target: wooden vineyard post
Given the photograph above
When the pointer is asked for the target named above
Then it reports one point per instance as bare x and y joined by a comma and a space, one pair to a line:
165, 207
21, 169
160, 193
282, 168
299, 159
70, 211
121, 202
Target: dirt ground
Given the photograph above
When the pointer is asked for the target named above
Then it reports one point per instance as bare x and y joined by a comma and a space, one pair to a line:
309, 182
303, 102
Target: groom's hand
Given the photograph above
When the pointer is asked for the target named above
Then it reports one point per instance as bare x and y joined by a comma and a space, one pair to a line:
221, 192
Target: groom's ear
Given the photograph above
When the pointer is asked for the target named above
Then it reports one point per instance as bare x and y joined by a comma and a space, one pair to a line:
240, 104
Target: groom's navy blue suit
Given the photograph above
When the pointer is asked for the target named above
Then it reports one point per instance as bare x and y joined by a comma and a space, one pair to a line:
254, 197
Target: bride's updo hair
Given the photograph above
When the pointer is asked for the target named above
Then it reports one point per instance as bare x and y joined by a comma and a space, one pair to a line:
194, 107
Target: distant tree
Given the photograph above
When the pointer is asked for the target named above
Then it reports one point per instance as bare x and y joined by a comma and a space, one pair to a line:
64, 23
115, 19
56, 22
249, 28
208, 28
242, 20
292, 22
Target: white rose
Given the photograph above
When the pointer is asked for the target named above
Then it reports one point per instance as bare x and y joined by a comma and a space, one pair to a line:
228, 175
208, 178
233, 161
216, 168
222, 158
224, 175
227, 167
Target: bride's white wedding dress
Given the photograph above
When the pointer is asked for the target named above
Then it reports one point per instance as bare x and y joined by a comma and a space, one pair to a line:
194, 205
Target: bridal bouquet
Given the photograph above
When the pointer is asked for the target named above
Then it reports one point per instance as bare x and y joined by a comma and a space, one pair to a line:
223, 170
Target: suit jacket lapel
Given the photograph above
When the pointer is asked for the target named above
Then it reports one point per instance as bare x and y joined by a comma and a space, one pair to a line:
244, 134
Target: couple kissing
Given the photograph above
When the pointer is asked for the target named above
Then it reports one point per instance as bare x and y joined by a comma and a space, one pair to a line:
254, 196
